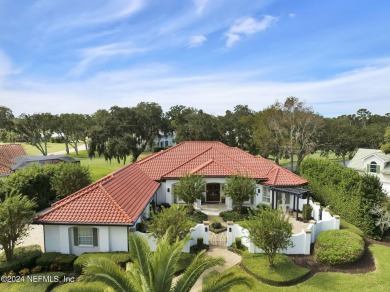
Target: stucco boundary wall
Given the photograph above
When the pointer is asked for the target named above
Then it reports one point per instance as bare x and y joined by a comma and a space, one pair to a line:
198, 231
301, 241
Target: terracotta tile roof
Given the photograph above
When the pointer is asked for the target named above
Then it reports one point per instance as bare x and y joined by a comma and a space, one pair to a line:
118, 198
12, 150
7, 153
215, 159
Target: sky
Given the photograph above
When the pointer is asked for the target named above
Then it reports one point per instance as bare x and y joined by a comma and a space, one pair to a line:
80, 56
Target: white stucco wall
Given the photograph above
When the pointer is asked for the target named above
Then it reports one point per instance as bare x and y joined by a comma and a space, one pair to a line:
59, 238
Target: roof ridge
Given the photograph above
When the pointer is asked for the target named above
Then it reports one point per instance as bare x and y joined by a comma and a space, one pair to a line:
202, 166
192, 158
276, 175
216, 162
245, 165
114, 202
147, 158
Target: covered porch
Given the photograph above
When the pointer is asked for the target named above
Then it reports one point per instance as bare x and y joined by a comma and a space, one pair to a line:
289, 198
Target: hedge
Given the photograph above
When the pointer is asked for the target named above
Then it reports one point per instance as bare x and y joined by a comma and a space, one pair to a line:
119, 257
336, 247
63, 261
24, 257
348, 194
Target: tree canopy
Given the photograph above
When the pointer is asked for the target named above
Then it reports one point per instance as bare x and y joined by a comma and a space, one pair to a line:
190, 188
239, 189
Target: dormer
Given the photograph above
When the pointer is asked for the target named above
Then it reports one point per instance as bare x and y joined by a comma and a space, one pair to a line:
375, 162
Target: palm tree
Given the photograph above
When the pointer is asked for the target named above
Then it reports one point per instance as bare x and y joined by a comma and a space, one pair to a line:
155, 271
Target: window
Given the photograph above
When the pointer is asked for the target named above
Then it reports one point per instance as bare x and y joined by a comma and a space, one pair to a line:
85, 236
373, 167
166, 143
266, 198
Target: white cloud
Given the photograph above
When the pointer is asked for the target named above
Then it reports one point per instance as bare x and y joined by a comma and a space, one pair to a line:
367, 87
200, 5
196, 41
247, 26
291, 15
101, 53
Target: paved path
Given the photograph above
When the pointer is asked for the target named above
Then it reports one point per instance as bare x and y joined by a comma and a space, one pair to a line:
231, 259
71, 150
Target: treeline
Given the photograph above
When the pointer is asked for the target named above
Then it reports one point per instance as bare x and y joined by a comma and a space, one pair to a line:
286, 129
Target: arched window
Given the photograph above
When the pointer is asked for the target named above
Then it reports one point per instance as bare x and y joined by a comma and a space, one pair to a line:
373, 167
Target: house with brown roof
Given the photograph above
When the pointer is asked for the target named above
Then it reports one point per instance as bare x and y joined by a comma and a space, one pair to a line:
98, 217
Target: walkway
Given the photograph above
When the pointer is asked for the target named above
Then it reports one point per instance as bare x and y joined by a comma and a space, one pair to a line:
213, 209
71, 150
231, 259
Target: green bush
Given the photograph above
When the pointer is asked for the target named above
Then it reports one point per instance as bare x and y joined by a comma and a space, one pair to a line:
234, 216
238, 242
197, 217
24, 257
348, 194
336, 247
64, 261
306, 212
119, 257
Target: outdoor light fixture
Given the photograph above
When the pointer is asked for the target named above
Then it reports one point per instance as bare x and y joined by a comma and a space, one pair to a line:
258, 190
168, 190
230, 229
205, 229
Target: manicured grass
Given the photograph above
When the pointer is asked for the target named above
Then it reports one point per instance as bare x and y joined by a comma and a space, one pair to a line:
99, 166
94, 286
34, 283
325, 281
51, 147
317, 155
283, 272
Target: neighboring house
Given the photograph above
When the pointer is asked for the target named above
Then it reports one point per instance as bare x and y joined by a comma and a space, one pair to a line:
7, 153
98, 217
13, 157
165, 140
375, 162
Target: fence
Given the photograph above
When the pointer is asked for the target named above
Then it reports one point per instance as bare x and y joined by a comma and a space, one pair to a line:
301, 241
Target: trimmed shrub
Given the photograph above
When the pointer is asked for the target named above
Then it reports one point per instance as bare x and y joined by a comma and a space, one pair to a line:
336, 247
197, 216
199, 242
348, 194
306, 212
24, 257
64, 261
235, 216
119, 257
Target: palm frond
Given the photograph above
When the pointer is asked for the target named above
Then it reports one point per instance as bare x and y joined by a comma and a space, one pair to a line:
226, 280
165, 261
109, 273
141, 255
193, 272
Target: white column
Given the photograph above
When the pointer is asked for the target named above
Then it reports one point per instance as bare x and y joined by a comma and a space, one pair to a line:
307, 244
336, 222
229, 233
147, 211
229, 203
206, 225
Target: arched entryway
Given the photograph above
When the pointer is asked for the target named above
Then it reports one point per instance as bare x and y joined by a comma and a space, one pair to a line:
213, 193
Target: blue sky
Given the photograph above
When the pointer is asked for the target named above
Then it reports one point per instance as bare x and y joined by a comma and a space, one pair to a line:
80, 56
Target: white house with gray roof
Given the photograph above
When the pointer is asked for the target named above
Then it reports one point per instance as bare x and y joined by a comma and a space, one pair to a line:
375, 162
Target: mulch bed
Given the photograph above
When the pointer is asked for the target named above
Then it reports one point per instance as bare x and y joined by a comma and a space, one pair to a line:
364, 265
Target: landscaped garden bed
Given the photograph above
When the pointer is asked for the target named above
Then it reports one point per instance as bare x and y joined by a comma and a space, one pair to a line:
24, 257
121, 258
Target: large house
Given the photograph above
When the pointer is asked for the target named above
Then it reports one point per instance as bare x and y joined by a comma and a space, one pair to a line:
98, 217
374, 162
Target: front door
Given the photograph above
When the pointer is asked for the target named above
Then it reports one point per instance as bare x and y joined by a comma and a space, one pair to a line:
213, 193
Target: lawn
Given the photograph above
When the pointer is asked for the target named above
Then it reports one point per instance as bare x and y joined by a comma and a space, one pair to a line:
332, 157
51, 147
330, 281
99, 166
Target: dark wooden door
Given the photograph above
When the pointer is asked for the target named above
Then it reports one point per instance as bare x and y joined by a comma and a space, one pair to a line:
213, 193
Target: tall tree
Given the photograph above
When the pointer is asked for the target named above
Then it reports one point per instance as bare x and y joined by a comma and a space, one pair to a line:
16, 214
236, 127
6, 122
71, 127
37, 129
339, 137
386, 146
271, 231
239, 189
190, 188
